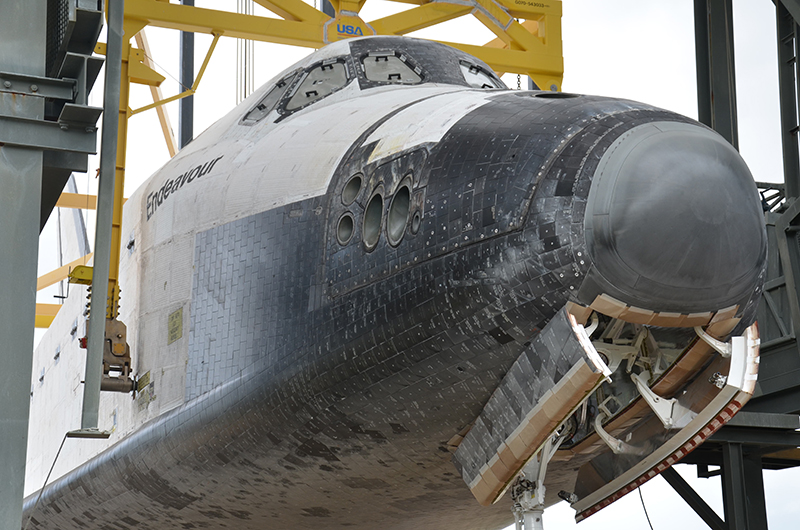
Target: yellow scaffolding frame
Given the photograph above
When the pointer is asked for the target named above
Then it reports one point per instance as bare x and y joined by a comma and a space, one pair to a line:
528, 42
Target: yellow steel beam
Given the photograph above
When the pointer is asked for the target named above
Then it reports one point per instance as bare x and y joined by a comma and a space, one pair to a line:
155, 92
82, 274
418, 18
241, 26
141, 73
79, 201
119, 183
294, 10
532, 26
187, 92
45, 314
525, 52
531, 10
516, 61
61, 273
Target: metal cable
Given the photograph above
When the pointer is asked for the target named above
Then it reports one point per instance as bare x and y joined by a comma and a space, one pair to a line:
166, 72
45, 482
644, 508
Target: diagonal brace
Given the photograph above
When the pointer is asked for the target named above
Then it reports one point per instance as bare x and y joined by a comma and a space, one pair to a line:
706, 513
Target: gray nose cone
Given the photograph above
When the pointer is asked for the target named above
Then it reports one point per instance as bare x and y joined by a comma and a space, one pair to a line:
674, 221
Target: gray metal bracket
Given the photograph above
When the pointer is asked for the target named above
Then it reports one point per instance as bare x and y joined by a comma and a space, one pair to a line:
669, 411
617, 446
80, 116
723, 348
84, 69
34, 85
40, 134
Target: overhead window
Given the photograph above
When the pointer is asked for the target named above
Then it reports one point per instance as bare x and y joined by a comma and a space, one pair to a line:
269, 101
319, 82
477, 77
391, 69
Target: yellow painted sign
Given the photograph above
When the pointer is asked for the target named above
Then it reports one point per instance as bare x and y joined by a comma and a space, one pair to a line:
143, 381
175, 326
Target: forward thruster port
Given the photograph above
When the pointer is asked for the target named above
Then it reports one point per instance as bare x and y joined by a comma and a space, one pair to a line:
398, 215
344, 230
351, 190
373, 218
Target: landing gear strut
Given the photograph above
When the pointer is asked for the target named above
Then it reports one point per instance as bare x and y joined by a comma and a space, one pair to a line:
528, 489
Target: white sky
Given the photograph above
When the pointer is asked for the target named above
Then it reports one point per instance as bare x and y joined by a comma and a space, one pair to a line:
620, 48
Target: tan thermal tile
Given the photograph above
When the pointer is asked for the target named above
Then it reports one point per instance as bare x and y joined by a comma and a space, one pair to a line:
637, 315
500, 469
531, 432
725, 314
489, 476
580, 312
558, 406
722, 328
517, 446
482, 492
608, 305
507, 456
668, 320
697, 319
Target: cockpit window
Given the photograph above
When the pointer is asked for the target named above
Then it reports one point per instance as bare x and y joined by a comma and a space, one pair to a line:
386, 67
269, 101
319, 82
477, 77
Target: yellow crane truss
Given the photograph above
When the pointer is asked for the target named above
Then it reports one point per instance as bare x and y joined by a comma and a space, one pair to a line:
528, 41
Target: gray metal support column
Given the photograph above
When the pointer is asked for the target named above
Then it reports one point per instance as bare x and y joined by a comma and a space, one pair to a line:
754, 491
22, 25
105, 211
742, 489
21, 178
706, 513
788, 46
734, 497
716, 83
186, 108
702, 61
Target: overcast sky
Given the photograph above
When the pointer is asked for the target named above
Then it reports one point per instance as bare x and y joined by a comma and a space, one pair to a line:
640, 50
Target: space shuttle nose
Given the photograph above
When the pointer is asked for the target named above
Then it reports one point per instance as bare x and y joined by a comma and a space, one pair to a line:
674, 221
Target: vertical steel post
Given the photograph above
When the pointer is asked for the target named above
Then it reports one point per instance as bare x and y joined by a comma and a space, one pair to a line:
787, 33
716, 82
186, 108
754, 486
733, 492
105, 215
702, 61
743, 489
23, 26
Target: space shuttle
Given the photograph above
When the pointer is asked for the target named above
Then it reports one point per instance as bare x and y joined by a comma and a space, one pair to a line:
385, 291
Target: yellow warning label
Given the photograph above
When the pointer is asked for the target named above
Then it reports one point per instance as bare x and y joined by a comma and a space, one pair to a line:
175, 326
143, 381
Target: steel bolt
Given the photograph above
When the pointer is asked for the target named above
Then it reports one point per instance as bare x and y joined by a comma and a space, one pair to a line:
7, 84
34, 88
